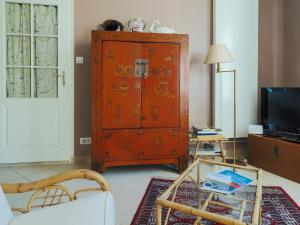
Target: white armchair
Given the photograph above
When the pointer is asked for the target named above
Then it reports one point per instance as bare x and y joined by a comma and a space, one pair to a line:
58, 205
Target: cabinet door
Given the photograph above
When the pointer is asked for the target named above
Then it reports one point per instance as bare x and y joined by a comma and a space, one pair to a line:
160, 143
122, 144
121, 97
160, 89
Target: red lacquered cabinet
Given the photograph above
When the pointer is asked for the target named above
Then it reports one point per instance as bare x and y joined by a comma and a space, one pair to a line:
139, 99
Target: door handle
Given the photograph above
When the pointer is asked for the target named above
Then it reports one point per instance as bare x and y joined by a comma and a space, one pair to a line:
63, 77
276, 151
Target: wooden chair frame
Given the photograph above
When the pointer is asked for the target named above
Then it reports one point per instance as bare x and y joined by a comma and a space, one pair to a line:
201, 213
47, 191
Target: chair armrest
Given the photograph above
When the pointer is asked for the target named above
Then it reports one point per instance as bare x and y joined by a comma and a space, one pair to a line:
50, 189
68, 175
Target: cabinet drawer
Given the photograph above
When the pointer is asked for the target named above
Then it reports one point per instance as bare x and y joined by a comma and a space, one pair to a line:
141, 144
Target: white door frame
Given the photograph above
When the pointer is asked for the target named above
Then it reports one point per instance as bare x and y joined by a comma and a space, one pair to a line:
69, 65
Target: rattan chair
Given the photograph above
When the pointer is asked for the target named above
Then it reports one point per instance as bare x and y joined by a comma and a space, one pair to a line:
53, 191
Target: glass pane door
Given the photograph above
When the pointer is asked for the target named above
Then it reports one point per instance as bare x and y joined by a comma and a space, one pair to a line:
45, 51
18, 50
32, 50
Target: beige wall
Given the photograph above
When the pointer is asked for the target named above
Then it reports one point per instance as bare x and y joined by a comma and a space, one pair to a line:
191, 16
271, 43
279, 47
292, 44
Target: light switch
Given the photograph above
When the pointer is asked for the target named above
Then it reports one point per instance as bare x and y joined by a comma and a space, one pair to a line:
79, 60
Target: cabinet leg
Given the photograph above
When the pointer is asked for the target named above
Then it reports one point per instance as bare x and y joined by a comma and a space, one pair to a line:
183, 164
98, 167
95, 166
102, 168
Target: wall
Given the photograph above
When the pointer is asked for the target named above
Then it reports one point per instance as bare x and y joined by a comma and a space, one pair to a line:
191, 17
271, 42
236, 25
279, 52
279, 47
292, 44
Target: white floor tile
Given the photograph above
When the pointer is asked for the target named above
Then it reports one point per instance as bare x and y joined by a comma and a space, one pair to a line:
11, 198
70, 166
28, 170
21, 203
38, 175
126, 205
127, 221
9, 176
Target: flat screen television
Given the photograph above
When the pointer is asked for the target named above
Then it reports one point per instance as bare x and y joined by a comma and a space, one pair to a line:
280, 111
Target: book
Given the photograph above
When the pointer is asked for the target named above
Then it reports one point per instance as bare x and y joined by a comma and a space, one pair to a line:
206, 131
225, 182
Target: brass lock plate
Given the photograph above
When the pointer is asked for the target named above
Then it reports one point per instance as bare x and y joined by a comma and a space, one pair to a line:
141, 67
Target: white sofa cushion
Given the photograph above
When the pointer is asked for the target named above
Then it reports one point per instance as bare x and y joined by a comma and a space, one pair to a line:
6, 214
97, 209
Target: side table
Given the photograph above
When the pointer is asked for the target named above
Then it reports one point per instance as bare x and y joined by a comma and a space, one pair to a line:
208, 138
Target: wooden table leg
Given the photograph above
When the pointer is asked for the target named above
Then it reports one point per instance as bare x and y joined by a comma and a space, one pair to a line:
198, 174
222, 152
196, 149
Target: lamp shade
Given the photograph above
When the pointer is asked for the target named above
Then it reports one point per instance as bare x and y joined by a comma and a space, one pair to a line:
218, 53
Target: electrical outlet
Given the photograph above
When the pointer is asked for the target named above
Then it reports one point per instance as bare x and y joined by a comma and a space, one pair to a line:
86, 141
79, 60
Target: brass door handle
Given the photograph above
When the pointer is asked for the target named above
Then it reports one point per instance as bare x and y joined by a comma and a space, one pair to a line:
63, 77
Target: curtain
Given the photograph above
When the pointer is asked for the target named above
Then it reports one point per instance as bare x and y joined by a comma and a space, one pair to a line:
45, 50
18, 50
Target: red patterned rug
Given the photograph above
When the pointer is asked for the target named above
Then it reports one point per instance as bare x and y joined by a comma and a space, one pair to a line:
278, 207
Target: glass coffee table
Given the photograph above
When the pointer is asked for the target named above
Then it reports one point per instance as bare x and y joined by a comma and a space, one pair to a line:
185, 200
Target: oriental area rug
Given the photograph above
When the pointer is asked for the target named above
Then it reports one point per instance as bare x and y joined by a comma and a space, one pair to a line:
278, 208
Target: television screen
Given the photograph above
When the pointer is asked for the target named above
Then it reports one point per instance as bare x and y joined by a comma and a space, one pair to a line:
280, 109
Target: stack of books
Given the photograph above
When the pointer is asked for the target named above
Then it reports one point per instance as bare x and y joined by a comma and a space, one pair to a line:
206, 131
225, 182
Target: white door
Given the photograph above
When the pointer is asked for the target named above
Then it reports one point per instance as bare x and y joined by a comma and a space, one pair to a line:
36, 100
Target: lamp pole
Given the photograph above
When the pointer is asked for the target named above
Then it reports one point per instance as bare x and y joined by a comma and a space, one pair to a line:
234, 106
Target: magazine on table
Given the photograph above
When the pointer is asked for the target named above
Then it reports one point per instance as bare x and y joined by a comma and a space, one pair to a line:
225, 182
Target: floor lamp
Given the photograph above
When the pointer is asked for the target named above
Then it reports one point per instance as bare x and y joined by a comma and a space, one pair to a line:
219, 53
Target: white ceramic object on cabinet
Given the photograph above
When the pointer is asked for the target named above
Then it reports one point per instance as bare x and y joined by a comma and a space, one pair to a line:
156, 27
136, 25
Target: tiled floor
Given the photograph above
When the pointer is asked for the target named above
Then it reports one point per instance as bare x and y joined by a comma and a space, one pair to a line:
128, 183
